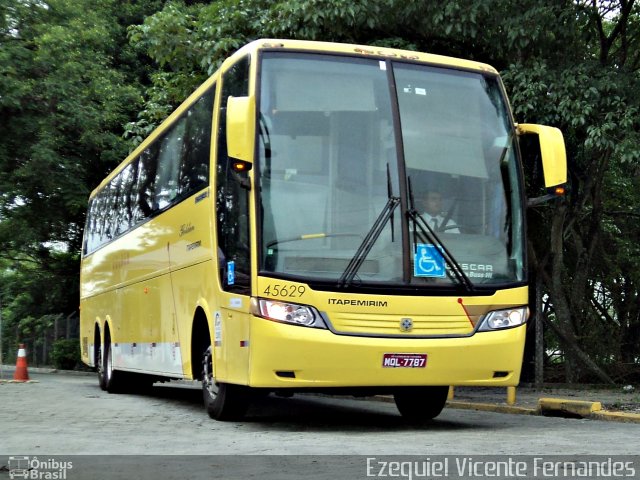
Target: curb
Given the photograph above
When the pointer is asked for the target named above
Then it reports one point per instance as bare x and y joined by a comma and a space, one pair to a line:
492, 407
19, 381
623, 417
553, 407
11, 369
571, 408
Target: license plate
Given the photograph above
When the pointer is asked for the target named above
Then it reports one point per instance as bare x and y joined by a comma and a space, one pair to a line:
404, 360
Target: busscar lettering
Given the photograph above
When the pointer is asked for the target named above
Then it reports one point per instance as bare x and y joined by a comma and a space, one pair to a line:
476, 270
358, 303
475, 267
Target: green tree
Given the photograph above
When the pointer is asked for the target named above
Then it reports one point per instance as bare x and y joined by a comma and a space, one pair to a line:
569, 64
592, 96
69, 82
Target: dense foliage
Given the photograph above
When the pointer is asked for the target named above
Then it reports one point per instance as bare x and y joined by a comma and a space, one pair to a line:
81, 82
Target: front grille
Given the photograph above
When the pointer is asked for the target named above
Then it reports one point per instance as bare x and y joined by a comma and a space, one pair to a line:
385, 324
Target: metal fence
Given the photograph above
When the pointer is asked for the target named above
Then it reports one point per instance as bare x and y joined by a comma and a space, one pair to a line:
39, 343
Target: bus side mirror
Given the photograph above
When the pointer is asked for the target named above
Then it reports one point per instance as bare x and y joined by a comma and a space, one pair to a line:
241, 127
553, 157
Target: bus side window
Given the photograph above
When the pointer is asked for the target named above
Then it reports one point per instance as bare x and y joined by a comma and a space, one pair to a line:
166, 184
194, 167
146, 179
109, 219
232, 198
91, 235
124, 214
173, 167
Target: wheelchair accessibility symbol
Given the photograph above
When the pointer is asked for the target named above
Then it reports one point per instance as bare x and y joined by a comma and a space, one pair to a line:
428, 261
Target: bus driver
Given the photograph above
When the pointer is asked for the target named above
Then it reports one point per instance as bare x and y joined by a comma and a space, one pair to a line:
432, 212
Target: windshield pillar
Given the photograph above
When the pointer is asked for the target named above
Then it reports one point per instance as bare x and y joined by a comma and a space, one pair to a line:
404, 191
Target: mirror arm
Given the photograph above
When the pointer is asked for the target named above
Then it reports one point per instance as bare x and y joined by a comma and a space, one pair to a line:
555, 192
534, 202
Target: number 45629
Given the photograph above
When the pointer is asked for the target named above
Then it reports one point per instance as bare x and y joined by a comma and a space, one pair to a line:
292, 291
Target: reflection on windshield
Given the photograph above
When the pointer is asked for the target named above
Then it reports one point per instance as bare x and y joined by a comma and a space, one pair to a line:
369, 241
329, 165
431, 255
458, 154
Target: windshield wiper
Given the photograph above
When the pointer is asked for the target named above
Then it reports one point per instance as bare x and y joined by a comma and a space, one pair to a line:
427, 231
430, 234
367, 244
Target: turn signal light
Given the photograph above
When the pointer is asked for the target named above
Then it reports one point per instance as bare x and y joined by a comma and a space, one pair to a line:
240, 167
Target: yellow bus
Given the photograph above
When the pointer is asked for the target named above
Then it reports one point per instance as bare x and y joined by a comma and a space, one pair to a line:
318, 217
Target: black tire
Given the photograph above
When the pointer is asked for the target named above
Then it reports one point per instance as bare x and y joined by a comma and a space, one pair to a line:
222, 401
99, 363
420, 404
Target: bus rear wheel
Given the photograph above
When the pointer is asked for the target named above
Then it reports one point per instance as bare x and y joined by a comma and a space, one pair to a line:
420, 404
114, 381
99, 363
222, 401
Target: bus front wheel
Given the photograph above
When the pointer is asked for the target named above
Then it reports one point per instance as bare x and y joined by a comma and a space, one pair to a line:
222, 401
420, 404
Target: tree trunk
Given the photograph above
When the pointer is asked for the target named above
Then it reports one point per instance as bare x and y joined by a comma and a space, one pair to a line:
568, 307
571, 348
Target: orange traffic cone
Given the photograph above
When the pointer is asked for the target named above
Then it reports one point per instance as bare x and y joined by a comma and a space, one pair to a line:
21, 374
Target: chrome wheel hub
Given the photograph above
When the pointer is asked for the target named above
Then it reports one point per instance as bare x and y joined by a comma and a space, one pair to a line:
208, 381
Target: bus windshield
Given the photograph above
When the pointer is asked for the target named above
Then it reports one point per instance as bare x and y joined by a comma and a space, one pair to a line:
370, 170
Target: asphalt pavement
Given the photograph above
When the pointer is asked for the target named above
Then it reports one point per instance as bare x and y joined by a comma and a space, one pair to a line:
619, 403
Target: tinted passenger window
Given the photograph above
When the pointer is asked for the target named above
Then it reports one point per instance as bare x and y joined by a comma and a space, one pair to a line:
124, 210
172, 168
194, 169
166, 185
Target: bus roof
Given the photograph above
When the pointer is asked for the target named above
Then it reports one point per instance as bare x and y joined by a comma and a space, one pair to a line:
364, 50
253, 47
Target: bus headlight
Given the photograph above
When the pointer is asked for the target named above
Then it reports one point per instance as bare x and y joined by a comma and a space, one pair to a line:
501, 319
286, 312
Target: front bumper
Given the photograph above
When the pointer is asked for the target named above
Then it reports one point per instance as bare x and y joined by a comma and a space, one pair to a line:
285, 356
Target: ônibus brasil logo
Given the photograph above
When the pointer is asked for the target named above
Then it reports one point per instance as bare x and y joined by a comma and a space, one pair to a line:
34, 468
